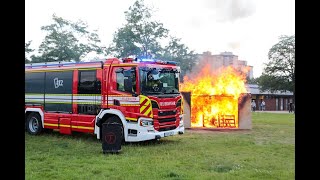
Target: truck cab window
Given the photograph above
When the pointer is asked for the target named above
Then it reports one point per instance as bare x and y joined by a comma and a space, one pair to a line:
123, 79
120, 81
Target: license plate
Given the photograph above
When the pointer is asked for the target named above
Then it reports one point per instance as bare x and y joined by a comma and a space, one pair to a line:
168, 134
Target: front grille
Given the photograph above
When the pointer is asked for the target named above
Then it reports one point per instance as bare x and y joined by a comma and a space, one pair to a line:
167, 124
166, 120
167, 128
166, 113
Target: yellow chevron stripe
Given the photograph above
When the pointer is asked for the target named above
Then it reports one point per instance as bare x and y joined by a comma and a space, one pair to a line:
142, 98
143, 108
147, 112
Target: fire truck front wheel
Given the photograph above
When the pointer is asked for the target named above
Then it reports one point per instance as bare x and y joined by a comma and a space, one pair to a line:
113, 119
34, 124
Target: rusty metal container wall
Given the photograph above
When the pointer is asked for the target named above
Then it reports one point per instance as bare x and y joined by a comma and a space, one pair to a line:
244, 107
186, 109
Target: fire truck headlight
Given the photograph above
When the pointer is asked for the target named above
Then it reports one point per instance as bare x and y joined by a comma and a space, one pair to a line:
181, 121
146, 123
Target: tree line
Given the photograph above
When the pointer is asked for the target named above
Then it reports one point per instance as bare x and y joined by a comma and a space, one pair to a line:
140, 35
71, 41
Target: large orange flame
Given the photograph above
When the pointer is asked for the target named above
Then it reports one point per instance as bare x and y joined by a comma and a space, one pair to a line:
214, 96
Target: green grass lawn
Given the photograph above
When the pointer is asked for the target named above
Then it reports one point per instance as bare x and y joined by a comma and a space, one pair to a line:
265, 152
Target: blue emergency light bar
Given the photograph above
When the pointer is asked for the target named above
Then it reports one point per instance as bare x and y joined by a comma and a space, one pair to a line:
146, 60
157, 61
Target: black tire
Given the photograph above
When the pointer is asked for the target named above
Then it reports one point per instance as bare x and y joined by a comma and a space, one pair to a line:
34, 124
113, 119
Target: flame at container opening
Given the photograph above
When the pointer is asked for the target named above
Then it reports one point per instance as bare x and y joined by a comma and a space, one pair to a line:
214, 96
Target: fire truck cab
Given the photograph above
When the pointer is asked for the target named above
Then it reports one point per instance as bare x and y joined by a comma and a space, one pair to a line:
141, 94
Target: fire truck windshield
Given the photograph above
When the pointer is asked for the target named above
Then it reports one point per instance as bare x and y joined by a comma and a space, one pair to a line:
159, 81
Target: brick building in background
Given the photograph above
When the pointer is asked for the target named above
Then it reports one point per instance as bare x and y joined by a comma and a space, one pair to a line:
276, 101
224, 59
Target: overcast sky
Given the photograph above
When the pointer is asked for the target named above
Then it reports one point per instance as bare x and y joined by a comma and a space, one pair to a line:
248, 28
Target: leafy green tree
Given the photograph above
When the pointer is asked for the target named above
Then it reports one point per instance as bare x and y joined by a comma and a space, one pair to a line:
251, 80
67, 41
279, 72
27, 51
139, 35
176, 51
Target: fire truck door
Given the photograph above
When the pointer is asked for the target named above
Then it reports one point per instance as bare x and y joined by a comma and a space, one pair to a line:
89, 92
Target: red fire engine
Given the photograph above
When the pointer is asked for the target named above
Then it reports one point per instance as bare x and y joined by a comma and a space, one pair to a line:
141, 94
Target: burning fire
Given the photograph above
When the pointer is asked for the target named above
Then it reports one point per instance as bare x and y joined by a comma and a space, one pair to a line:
214, 97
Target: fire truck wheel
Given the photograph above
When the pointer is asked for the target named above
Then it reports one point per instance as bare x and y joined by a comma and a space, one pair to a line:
115, 119
34, 124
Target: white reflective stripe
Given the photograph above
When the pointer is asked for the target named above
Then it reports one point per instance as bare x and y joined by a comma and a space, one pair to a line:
96, 103
83, 100
33, 100
87, 98
34, 96
59, 100
124, 102
87, 102
48, 96
124, 98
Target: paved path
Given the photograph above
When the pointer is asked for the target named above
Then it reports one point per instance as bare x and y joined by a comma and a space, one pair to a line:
286, 112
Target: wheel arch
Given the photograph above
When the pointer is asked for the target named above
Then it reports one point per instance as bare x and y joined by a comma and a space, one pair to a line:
107, 113
34, 110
